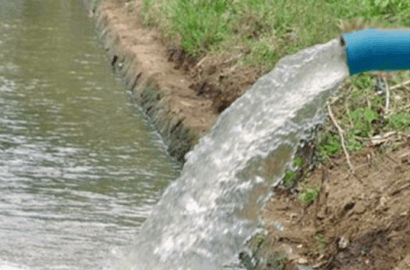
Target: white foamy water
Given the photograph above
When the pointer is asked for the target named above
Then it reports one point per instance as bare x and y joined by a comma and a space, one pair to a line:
205, 216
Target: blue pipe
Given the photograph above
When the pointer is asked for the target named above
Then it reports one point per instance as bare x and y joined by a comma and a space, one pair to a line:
375, 49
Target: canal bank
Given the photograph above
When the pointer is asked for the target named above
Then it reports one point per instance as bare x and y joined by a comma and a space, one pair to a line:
163, 92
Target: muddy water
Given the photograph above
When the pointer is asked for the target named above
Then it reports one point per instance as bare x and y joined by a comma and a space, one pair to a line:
80, 168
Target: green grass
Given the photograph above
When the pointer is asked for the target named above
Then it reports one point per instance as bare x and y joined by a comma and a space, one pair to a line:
262, 31
308, 193
320, 243
361, 112
289, 179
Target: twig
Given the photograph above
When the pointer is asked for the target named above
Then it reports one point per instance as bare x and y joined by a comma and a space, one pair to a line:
201, 61
233, 58
400, 85
336, 98
377, 140
387, 96
341, 131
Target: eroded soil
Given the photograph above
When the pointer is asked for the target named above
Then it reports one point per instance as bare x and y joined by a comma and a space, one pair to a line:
217, 78
360, 220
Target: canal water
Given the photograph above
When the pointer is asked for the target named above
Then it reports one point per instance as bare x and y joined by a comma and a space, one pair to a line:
80, 167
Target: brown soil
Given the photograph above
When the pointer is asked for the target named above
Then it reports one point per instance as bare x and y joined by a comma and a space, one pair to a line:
360, 220
217, 78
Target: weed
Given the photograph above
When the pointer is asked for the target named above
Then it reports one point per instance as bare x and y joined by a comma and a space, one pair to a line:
362, 115
289, 179
291, 174
363, 251
308, 193
276, 261
399, 121
320, 243
329, 145
298, 161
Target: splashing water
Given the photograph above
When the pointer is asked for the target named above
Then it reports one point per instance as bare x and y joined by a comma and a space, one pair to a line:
206, 215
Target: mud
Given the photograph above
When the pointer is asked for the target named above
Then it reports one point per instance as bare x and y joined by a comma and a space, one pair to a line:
360, 219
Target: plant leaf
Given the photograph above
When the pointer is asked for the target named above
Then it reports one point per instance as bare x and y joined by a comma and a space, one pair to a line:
369, 115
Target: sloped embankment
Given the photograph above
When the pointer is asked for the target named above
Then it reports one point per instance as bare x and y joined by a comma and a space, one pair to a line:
140, 58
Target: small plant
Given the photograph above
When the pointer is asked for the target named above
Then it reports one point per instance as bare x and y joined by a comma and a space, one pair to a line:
363, 251
329, 145
399, 121
297, 161
258, 239
277, 260
308, 193
320, 243
289, 179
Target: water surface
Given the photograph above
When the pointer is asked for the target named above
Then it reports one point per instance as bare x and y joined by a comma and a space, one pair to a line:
80, 167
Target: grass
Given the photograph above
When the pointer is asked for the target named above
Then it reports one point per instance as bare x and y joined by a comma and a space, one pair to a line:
320, 243
262, 31
308, 193
360, 110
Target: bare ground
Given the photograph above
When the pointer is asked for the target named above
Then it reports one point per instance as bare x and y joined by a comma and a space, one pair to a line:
360, 220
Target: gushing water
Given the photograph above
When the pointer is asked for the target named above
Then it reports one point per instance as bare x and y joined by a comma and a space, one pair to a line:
206, 215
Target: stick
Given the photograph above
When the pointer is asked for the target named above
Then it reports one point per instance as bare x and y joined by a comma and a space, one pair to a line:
341, 131
233, 58
201, 61
387, 96
400, 85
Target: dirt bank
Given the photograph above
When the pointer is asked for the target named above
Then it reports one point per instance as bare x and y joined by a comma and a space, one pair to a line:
181, 95
360, 219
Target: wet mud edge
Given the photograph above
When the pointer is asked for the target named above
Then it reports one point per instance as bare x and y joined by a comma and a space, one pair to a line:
137, 55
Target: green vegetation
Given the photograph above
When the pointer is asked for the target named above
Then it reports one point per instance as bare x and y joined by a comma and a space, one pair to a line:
369, 116
276, 261
308, 193
320, 243
261, 248
262, 31
289, 179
